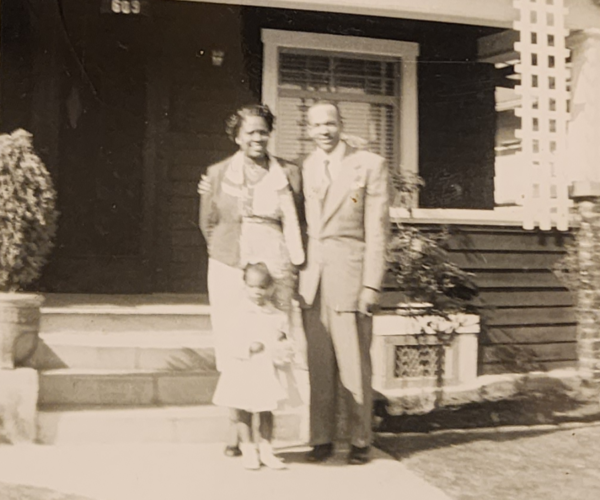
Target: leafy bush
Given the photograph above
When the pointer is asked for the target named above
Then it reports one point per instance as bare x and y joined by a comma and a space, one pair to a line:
27, 212
420, 262
406, 187
423, 270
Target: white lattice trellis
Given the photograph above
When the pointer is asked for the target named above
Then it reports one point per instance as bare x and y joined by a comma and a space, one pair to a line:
543, 111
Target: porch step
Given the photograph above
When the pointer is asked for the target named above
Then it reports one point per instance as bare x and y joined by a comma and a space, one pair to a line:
170, 319
172, 424
174, 351
126, 388
116, 313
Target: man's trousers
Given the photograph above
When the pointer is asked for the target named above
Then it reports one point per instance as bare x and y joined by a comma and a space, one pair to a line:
338, 349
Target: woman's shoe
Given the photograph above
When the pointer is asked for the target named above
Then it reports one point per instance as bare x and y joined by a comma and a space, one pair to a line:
250, 456
267, 457
232, 451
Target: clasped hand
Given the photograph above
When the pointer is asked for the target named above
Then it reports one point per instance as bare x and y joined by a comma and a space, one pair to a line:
284, 353
203, 185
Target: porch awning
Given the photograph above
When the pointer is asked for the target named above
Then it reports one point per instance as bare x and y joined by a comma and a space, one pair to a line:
497, 13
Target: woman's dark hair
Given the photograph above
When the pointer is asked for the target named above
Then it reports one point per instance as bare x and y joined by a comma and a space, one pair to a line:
259, 268
234, 122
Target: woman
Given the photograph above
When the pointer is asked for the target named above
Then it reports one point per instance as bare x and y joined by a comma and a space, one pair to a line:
249, 215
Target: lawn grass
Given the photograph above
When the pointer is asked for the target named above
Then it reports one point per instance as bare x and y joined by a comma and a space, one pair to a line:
516, 463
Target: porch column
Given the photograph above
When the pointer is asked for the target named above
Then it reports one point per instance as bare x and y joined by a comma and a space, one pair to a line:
584, 158
584, 126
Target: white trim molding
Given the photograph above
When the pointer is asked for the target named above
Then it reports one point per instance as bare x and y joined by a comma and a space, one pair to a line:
406, 52
496, 13
509, 216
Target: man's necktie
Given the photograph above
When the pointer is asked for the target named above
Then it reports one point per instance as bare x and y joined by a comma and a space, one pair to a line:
326, 180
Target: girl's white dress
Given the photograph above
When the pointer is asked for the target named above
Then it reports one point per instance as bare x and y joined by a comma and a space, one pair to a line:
251, 382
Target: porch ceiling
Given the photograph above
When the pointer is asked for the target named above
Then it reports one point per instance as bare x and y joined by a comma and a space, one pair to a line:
497, 13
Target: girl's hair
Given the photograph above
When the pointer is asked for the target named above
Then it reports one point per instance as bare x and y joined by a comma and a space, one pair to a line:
234, 122
261, 269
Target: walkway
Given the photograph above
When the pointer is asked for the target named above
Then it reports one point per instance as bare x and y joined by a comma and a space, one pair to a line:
182, 472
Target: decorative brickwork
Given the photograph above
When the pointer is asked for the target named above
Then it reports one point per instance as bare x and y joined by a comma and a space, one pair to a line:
419, 361
588, 291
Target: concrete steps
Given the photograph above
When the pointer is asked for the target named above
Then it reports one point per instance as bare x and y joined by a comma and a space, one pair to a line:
153, 332
132, 369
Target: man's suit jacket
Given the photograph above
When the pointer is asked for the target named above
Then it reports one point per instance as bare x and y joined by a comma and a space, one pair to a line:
348, 227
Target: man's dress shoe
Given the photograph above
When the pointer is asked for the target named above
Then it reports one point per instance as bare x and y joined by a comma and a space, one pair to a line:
320, 453
358, 455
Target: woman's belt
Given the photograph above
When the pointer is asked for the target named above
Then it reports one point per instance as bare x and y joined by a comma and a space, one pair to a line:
256, 219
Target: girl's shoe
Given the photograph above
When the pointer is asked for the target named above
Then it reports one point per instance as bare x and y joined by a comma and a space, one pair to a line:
267, 458
232, 451
249, 456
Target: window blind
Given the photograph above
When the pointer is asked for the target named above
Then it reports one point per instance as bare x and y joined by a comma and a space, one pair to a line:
366, 90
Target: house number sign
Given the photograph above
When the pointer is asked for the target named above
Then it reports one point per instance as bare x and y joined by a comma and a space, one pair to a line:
123, 6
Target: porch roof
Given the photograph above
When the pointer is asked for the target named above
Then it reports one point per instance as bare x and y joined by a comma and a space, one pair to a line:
497, 13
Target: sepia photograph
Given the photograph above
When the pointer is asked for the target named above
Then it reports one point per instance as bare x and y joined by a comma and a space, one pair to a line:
300, 249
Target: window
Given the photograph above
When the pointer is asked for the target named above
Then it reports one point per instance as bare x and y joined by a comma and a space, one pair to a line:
373, 81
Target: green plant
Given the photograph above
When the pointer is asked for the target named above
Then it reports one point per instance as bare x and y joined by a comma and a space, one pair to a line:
422, 269
420, 262
406, 187
27, 212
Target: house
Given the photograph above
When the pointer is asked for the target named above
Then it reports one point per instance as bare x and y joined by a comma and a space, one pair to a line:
127, 100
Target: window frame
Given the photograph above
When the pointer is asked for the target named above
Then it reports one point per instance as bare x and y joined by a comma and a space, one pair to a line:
406, 52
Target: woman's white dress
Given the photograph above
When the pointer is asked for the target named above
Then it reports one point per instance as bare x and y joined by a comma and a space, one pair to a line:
270, 233
270, 229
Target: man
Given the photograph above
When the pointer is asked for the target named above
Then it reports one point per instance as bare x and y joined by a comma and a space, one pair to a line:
346, 207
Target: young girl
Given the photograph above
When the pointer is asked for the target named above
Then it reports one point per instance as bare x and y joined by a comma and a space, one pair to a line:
249, 382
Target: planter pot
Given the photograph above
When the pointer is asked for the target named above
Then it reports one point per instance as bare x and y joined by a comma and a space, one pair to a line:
19, 326
411, 347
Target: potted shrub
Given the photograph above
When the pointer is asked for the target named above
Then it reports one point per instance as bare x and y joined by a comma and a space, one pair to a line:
27, 227
425, 336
